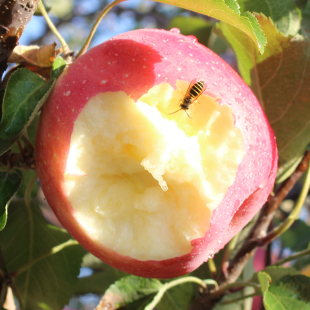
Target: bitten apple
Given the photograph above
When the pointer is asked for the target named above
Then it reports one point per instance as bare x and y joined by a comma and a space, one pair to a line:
152, 192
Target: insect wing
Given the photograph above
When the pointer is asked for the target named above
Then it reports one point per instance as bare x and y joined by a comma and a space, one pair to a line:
201, 91
191, 84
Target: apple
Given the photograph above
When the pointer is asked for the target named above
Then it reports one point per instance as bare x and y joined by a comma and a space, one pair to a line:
149, 187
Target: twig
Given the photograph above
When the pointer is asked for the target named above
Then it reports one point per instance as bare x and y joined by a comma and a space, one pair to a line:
294, 215
21, 149
292, 257
257, 236
25, 159
12, 26
94, 28
53, 28
229, 286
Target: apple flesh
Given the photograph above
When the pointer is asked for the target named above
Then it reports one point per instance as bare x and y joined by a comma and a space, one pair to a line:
152, 192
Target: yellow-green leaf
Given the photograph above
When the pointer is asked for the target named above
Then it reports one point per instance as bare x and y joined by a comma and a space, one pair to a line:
228, 12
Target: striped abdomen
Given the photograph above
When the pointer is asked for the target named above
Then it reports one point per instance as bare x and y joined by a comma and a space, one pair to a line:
196, 89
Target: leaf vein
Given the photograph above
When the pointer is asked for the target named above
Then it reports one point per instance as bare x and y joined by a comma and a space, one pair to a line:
295, 94
275, 72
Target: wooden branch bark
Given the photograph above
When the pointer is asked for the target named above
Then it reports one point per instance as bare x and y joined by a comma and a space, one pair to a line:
14, 17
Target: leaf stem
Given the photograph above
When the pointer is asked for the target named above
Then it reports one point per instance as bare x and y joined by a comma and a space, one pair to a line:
292, 257
212, 268
54, 250
97, 22
53, 28
28, 191
229, 249
173, 283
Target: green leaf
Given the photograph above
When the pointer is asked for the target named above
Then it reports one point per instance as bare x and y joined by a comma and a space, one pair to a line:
281, 81
9, 185
48, 283
284, 13
130, 289
226, 11
298, 237
247, 54
233, 5
264, 280
301, 3
2, 91
24, 96
192, 25
177, 298
32, 129
139, 304
275, 273
27, 176
289, 292
58, 66
305, 22
5, 145
288, 110
302, 263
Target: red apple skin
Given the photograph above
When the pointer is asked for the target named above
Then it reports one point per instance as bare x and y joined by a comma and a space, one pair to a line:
134, 62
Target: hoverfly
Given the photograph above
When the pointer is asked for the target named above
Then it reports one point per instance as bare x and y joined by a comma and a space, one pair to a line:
195, 89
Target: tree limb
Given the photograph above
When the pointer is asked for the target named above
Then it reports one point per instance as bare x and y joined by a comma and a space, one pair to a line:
14, 17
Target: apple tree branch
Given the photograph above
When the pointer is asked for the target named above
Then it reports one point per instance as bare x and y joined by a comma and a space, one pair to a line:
14, 17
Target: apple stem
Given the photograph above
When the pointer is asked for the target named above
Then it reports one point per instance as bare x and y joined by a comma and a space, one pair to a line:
176, 282
53, 28
96, 24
